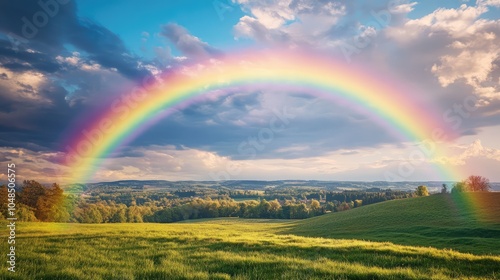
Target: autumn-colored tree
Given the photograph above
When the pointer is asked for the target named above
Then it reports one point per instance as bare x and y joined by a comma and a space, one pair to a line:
358, 203
422, 191
477, 184
50, 205
47, 203
315, 207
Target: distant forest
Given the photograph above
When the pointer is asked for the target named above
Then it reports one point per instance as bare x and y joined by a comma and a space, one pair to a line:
136, 204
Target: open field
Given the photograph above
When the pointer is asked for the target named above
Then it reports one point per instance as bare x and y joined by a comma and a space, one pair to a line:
270, 249
468, 223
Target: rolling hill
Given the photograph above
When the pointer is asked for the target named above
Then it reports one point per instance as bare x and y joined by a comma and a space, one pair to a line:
326, 247
468, 222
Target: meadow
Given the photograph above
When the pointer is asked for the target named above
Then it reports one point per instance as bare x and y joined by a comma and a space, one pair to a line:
432, 237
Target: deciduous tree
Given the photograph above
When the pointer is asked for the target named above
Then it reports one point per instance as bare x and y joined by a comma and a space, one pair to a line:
477, 184
422, 191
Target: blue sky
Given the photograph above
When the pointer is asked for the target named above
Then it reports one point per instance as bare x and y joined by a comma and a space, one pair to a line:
91, 51
201, 18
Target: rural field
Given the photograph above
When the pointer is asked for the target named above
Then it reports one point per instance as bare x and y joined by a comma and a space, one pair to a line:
436, 237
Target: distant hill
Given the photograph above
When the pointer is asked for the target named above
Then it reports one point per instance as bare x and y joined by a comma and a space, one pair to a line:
442, 221
159, 185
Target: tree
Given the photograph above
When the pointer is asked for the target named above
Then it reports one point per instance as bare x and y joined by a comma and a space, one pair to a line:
3, 198
477, 184
275, 209
25, 213
120, 215
31, 192
50, 205
459, 187
358, 203
422, 191
301, 211
444, 189
315, 207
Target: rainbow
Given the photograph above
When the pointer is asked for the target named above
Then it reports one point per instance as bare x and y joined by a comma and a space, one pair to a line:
394, 108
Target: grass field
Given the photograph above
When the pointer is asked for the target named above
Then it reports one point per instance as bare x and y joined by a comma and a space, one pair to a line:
441, 221
272, 249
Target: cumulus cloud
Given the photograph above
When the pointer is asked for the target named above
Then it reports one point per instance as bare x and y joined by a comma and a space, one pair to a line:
324, 24
465, 153
287, 21
473, 61
465, 47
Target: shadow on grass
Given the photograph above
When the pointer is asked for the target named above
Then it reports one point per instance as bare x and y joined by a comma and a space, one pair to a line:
365, 257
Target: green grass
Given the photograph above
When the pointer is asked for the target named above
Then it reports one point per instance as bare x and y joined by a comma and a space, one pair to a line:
265, 249
440, 221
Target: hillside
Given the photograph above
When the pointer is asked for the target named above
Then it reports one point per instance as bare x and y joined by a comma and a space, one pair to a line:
234, 248
441, 221
225, 249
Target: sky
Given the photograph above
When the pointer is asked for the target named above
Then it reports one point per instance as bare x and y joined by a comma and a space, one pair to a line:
62, 60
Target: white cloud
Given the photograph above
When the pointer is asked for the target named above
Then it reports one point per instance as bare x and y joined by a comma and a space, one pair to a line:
452, 21
460, 46
23, 85
76, 61
171, 163
289, 22
465, 153
494, 3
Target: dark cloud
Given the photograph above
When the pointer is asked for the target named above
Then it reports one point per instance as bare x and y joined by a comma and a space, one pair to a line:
20, 23
106, 48
33, 39
21, 60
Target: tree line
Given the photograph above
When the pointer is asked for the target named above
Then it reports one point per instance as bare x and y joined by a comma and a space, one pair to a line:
37, 202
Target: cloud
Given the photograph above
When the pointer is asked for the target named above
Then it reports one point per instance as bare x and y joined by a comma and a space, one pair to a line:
473, 60
43, 85
474, 150
65, 27
229, 125
465, 47
320, 25
493, 3
72, 64
41, 165
288, 22
367, 163
188, 44
23, 85
168, 162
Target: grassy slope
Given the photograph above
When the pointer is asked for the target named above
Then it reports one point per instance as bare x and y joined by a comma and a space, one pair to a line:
263, 249
225, 249
441, 221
